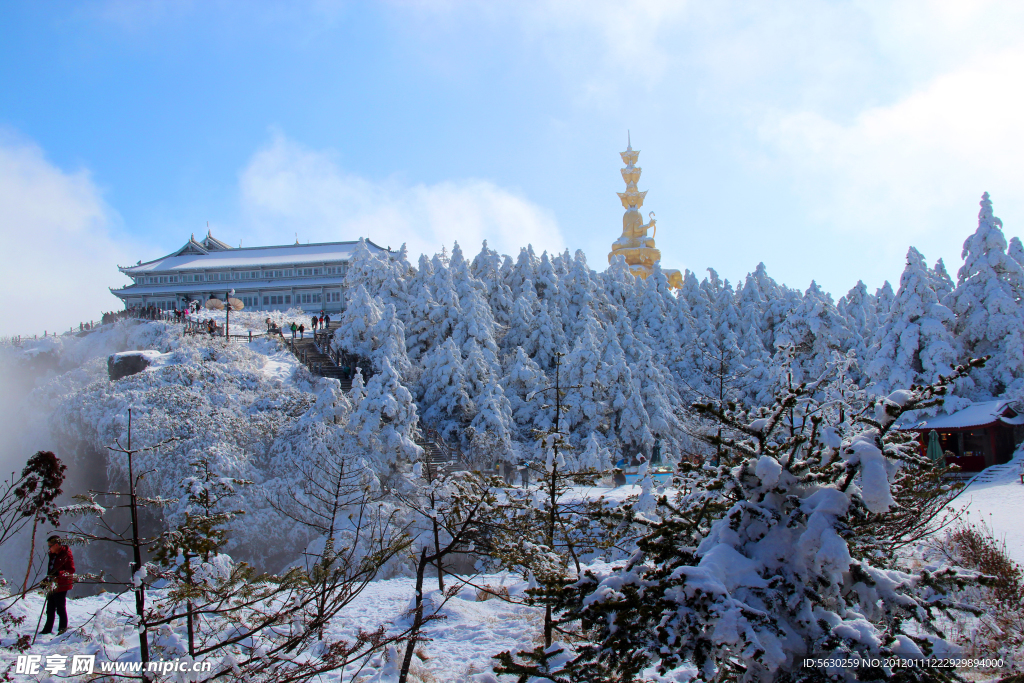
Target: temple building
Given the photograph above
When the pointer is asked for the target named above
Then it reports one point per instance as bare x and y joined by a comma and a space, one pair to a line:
264, 278
634, 245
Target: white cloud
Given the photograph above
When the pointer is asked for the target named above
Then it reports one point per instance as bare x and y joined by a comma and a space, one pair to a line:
60, 257
289, 191
914, 168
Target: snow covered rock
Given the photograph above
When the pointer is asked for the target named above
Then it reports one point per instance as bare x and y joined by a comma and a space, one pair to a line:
129, 363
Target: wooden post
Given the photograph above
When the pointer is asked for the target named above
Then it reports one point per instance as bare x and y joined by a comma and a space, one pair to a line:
991, 458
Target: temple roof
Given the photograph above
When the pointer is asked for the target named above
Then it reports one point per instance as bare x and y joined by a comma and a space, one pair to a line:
977, 415
211, 253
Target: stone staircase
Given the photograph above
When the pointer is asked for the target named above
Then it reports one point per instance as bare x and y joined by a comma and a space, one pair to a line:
312, 355
438, 456
1000, 473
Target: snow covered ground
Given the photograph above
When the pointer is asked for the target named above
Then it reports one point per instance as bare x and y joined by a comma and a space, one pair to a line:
461, 644
995, 497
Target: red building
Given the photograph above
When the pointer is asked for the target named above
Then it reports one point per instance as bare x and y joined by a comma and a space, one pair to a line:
979, 436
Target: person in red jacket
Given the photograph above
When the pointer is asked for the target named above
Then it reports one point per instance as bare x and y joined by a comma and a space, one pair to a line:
60, 572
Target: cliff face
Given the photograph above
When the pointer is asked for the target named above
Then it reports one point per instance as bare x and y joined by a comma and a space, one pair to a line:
249, 408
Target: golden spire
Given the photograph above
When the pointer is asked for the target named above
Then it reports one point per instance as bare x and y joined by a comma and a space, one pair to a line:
633, 244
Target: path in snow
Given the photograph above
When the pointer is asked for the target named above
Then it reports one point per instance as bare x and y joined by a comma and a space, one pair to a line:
995, 496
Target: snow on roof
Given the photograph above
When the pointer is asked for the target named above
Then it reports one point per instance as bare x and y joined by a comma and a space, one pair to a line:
977, 415
251, 257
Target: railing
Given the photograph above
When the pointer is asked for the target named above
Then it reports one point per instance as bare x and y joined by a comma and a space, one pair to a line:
321, 340
434, 437
204, 327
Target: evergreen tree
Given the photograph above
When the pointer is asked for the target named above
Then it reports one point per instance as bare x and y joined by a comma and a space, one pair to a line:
565, 534
381, 273
779, 303
522, 321
814, 329
389, 343
486, 268
988, 306
588, 412
941, 282
751, 566
883, 300
359, 322
1016, 250
632, 423
755, 363
419, 329
522, 380
547, 339
443, 388
546, 280
383, 423
481, 371
444, 318
524, 269
660, 397
595, 456
858, 310
462, 276
492, 430
196, 569
358, 390
914, 344
620, 284
475, 326
656, 302
580, 289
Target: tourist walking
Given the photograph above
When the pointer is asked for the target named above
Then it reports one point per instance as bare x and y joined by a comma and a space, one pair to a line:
60, 575
327, 322
314, 323
302, 330
295, 328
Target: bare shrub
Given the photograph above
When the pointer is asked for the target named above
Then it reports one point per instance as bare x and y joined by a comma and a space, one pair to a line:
999, 631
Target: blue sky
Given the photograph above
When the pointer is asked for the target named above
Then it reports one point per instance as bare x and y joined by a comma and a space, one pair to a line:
822, 138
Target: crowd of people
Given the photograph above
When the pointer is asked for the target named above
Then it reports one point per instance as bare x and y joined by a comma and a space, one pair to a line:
317, 323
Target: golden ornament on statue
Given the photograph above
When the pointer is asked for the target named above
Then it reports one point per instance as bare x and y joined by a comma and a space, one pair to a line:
633, 244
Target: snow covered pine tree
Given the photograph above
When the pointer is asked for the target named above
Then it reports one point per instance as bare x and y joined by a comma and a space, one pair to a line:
757, 564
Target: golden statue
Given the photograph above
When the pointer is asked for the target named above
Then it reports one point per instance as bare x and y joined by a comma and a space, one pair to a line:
634, 245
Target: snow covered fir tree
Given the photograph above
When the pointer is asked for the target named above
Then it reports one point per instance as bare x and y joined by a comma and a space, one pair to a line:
780, 508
